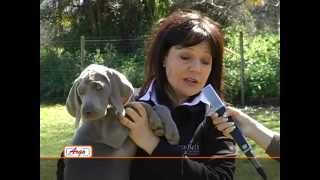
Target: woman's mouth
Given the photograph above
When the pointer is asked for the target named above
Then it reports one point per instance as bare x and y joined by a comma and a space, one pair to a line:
190, 81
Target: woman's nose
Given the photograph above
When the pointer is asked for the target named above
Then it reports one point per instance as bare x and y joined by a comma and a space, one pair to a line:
195, 66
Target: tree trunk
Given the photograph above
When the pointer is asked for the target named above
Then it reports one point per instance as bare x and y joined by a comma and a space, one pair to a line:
89, 13
99, 8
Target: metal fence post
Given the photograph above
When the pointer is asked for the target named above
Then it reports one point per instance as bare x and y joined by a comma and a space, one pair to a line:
242, 70
83, 52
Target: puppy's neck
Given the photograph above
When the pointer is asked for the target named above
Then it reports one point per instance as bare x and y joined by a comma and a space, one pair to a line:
106, 130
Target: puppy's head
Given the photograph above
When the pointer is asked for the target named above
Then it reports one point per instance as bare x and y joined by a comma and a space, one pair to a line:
94, 90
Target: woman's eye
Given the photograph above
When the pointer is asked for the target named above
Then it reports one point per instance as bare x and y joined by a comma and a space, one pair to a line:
205, 62
184, 57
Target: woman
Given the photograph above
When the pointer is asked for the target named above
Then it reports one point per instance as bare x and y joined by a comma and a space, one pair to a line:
266, 138
184, 54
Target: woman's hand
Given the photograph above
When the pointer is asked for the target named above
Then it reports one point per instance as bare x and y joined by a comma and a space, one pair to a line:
246, 123
249, 127
136, 120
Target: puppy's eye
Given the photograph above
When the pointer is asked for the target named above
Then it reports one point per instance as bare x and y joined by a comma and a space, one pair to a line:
97, 86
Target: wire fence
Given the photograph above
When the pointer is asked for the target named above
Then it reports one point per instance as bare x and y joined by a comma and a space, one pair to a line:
70, 57
62, 62
104, 46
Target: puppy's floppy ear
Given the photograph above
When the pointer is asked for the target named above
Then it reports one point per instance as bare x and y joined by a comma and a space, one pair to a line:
121, 90
73, 102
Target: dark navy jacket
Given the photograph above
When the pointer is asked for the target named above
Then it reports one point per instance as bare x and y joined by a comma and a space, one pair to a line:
215, 151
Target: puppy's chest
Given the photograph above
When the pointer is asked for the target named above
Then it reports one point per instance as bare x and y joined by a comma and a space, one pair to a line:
102, 150
95, 134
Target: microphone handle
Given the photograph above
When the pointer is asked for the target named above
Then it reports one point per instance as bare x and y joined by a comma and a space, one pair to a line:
236, 133
243, 144
246, 148
240, 139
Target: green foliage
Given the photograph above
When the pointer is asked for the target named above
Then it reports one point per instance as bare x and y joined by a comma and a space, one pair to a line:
58, 69
107, 56
131, 65
262, 64
125, 20
133, 68
162, 8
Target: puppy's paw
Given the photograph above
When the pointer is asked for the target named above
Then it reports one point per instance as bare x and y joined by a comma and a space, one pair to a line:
159, 132
172, 135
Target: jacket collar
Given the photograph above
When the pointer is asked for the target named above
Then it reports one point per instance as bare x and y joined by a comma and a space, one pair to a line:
150, 95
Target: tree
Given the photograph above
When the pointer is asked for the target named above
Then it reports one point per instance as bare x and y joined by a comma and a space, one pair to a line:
256, 14
99, 18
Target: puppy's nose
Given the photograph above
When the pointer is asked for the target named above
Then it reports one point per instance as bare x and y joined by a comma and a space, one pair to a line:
87, 111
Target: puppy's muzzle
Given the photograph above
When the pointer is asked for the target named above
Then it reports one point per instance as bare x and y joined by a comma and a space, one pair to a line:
89, 112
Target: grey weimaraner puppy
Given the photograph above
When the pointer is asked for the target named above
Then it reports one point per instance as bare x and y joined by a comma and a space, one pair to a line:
97, 99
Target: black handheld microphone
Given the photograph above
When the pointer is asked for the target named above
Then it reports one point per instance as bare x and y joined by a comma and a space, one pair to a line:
218, 106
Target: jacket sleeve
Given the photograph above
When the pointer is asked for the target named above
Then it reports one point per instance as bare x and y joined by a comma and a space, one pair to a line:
217, 160
273, 150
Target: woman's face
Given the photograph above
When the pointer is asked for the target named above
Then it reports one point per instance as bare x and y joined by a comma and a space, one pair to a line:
188, 69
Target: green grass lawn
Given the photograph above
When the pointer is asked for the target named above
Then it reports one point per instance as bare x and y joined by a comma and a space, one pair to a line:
269, 117
57, 128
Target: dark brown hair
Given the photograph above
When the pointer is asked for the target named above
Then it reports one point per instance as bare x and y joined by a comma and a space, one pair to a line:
185, 28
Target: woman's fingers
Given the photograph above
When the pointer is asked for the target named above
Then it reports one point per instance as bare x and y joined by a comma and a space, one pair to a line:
132, 114
229, 130
218, 120
130, 119
138, 107
231, 111
224, 126
127, 122
135, 113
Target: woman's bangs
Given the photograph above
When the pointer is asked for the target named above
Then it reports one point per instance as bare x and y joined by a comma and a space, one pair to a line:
187, 34
196, 36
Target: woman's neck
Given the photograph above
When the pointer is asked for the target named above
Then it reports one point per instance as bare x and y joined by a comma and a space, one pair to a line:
175, 99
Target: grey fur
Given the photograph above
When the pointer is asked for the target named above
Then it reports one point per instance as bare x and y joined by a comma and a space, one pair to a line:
96, 99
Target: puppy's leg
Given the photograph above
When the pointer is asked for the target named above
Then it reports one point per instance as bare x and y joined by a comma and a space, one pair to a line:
155, 123
170, 129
